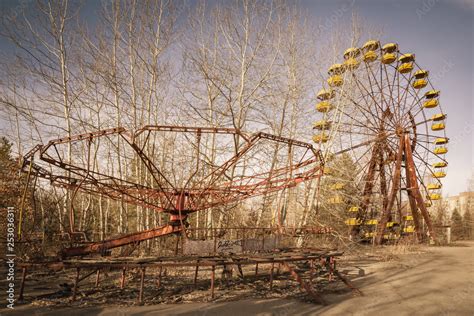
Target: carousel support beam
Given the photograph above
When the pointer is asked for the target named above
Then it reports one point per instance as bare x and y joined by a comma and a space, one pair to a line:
101, 246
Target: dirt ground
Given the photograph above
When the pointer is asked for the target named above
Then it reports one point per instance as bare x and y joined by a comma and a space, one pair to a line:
430, 281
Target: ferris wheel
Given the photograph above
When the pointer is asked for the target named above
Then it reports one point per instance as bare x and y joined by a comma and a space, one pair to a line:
379, 108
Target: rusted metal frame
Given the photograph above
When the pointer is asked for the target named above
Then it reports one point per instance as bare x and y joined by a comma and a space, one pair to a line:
413, 207
277, 173
190, 129
201, 261
76, 284
23, 198
160, 272
149, 164
120, 241
115, 194
348, 283
304, 285
414, 188
368, 186
97, 278
71, 206
391, 199
31, 153
254, 192
79, 137
271, 275
22, 284
196, 275
273, 174
213, 275
142, 282
217, 173
122, 279
93, 180
285, 140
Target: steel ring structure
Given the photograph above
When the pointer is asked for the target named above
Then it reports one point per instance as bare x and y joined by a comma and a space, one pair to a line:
379, 109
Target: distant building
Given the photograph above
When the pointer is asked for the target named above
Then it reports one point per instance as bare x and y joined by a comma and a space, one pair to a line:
462, 202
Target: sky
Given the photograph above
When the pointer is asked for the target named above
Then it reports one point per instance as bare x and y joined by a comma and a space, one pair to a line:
440, 33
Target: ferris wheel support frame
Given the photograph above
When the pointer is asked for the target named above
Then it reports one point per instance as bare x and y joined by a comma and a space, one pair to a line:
413, 190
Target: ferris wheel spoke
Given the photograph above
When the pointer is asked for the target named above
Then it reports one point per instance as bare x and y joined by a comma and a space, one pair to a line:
389, 87
439, 156
371, 93
358, 106
403, 98
416, 102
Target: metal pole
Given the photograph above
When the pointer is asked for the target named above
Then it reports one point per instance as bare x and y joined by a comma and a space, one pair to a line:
22, 284
142, 281
213, 274
97, 278
122, 281
76, 284
271, 276
196, 274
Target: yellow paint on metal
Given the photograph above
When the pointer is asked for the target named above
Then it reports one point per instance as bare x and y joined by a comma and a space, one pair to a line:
335, 81
370, 56
420, 83
432, 94
390, 47
421, 74
324, 106
438, 117
321, 138
441, 141
440, 164
437, 127
431, 103
406, 58
354, 209
325, 94
388, 58
352, 52
337, 186
353, 221
336, 69
439, 174
352, 63
322, 124
440, 150
371, 45
434, 186
405, 68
